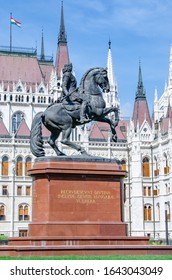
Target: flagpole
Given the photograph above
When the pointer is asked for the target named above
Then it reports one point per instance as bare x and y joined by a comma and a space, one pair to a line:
10, 33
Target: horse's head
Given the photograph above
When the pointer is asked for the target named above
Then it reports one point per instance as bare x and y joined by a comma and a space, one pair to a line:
102, 79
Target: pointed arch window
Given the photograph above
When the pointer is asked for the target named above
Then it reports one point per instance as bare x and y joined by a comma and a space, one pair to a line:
124, 165
28, 165
147, 213
146, 167
19, 166
157, 212
23, 212
5, 166
2, 212
166, 167
16, 120
156, 171
167, 205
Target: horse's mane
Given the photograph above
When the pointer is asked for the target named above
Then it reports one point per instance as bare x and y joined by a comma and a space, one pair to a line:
81, 86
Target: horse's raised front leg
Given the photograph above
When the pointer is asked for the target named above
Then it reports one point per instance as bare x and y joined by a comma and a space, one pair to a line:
52, 143
106, 111
65, 140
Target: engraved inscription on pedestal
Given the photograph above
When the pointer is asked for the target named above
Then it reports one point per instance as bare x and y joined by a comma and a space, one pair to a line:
86, 197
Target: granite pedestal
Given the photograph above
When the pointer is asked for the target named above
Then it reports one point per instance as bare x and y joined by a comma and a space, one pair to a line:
75, 196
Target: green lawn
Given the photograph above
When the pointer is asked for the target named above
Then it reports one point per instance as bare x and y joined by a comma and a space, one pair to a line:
115, 257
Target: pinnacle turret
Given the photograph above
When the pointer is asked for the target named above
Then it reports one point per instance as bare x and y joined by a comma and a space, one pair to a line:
141, 110
62, 38
140, 93
42, 47
112, 96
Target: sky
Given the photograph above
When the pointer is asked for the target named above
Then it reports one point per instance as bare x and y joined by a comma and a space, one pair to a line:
138, 30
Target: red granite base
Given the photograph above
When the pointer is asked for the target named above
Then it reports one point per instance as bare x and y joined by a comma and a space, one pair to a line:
77, 198
77, 229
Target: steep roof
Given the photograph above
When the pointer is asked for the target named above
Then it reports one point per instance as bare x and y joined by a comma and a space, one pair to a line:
3, 130
24, 67
100, 131
23, 130
15, 67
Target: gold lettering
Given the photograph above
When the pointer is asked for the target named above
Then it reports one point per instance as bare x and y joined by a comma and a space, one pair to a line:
86, 196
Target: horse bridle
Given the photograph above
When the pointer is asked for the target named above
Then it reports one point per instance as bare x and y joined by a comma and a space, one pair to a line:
102, 73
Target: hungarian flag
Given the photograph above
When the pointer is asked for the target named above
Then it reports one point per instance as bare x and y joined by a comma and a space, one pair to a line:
15, 22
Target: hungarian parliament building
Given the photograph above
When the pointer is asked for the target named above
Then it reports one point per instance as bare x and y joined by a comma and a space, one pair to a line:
28, 84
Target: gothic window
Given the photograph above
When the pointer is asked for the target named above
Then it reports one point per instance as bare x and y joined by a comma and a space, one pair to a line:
16, 120
28, 190
27, 99
11, 97
23, 232
2, 212
23, 212
146, 167
156, 191
145, 191
4, 190
5, 97
147, 213
168, 210
157, 213
19, 190
156, 171
41, 90
19, 89
19, 166
28, 165
5, 165
166, 167
33, 99
124, 166
149, 191
38, 99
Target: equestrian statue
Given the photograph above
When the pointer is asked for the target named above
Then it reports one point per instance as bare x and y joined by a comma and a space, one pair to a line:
75, 106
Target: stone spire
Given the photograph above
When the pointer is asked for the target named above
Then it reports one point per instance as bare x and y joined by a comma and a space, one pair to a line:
112, 96
62, 55
141, 110
62, 38
140, 93
42, 46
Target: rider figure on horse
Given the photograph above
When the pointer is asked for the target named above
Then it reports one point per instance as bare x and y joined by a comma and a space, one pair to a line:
69, 85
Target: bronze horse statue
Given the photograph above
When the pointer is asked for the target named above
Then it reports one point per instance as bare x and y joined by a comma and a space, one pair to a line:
64, 115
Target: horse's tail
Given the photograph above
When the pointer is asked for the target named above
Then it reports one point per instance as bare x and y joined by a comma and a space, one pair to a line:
36, 139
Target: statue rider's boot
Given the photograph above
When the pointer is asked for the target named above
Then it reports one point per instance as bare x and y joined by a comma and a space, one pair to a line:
83, 117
